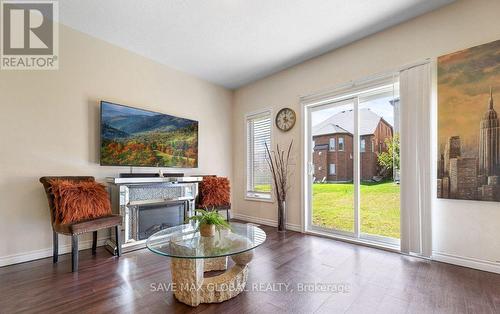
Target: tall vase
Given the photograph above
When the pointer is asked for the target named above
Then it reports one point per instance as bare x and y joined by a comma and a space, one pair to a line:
281, 216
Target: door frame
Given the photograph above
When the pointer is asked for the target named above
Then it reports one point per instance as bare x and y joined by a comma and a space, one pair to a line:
346, 93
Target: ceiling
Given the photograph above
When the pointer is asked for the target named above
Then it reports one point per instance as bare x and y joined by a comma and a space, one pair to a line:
235, 42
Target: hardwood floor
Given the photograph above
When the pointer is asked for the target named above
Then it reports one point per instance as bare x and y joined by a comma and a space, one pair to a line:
378, 282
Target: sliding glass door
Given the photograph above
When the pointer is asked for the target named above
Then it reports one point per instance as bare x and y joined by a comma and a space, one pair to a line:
353, 164
333, 166
379, 198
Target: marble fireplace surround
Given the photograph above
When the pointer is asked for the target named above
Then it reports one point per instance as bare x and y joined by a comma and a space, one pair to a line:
128, 194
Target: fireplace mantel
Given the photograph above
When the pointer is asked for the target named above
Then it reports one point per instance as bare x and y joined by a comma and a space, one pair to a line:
125, 181
129, 195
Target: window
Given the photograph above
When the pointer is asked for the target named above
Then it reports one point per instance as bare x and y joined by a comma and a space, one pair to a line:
363, 145
341, 144
258, 174
331, 145
332, 170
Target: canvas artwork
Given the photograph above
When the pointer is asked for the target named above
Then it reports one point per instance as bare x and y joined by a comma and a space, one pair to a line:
468, 124
136, 137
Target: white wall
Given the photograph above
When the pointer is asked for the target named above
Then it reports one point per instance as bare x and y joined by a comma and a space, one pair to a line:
49, 126
469, 231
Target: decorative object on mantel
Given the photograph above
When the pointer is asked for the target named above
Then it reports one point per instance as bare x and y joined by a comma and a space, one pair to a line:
215, 194
73, 229
208, 222
279, 162
285, 119
140, 175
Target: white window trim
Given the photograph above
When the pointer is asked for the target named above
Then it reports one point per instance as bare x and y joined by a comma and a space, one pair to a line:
343, 144
334, 173
257, 196
332, 148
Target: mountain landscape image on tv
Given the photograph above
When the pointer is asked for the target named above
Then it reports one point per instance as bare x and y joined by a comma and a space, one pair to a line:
141, 138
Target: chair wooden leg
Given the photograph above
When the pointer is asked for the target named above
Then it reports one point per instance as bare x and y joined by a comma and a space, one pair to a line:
55, 245
74, 252
118, 241
227, 214
94, 242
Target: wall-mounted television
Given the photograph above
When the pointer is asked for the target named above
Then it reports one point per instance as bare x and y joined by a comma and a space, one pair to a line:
141, 138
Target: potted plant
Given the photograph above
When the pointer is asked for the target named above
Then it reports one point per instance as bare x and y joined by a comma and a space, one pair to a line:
208, 222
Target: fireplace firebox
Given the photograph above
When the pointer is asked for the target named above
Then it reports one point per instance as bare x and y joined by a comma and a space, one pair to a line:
153, 218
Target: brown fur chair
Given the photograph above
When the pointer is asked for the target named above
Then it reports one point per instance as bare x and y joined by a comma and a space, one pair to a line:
80, 227
214, 194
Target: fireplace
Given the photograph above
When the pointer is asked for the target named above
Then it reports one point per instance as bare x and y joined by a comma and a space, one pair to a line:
153, 218
150, 204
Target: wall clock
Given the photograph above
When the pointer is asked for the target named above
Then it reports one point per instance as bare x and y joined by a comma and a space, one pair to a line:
285, 119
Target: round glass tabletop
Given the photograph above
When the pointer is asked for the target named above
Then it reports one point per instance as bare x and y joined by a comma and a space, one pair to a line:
184, 241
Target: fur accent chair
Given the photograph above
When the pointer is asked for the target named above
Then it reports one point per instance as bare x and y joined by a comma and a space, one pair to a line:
215, 194
78, 205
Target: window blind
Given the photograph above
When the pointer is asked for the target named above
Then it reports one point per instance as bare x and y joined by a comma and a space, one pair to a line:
258, 174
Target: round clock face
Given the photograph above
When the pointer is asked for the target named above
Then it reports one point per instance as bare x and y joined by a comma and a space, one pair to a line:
285, 119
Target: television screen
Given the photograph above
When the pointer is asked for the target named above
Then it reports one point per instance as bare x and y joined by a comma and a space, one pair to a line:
141, 138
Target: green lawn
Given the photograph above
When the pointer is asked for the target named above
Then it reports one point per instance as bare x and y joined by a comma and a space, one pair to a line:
263, 188
379, 204
333, 205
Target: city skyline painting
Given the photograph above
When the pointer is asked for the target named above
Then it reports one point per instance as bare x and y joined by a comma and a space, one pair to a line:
468, 124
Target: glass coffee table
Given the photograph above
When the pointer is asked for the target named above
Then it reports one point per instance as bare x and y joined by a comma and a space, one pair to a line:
192, 255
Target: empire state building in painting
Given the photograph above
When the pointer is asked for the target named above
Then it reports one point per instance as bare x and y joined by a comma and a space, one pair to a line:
489, 142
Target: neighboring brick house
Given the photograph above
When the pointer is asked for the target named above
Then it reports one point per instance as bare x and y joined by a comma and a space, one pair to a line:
333, 145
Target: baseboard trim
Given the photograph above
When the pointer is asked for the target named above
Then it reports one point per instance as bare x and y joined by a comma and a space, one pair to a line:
47, 252
265, 221
469, 262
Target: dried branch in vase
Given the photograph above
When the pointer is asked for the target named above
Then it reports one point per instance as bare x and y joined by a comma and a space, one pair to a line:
279, 165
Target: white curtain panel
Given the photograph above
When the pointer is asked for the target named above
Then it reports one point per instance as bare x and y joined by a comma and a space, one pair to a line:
416, 141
